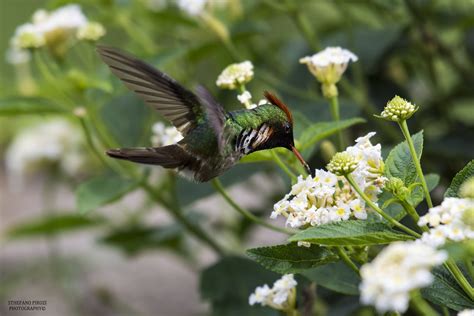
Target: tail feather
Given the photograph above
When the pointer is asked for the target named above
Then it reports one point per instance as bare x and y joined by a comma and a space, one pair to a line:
172, 156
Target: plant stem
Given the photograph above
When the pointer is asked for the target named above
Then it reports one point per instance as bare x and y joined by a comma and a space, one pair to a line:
216, 183
347, 260
334, 106
469, 267
460, 278
404, 127
282, 165
421, 306
179, 216
411, 211
378, 210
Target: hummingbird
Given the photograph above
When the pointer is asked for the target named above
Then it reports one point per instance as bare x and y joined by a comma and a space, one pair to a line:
214, 139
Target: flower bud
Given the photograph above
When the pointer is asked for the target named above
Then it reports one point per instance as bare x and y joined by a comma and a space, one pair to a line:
467, 189
397, 187
398, 109
92, 31
342, 164
468, 218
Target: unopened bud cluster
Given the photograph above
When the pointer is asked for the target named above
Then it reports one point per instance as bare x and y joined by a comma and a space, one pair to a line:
398, 109
397, 187
342, 164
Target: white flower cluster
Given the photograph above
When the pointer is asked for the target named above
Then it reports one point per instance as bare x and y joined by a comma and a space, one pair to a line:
235, 75
452, 220
192, 7
246, 99
329, 65
466, 312
55, 142
55, 28
163, 135
398, 269
327, 198
280, 296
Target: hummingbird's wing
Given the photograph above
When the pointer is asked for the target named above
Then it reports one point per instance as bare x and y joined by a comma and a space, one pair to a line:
179, 105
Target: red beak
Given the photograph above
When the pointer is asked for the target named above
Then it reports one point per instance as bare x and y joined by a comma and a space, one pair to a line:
301, 159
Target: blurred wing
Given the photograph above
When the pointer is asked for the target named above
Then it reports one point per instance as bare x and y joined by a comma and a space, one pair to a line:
215, 114
166, 95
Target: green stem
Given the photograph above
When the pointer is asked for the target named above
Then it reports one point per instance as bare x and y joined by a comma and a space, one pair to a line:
411, 211
416, 160
421, 306
445, 310
347, 260
282, 165
378, 210
469, 267
334, 106
179, 217
460, 278
221, 190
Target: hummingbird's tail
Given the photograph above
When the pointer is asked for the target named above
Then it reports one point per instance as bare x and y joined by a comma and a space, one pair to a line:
172, 156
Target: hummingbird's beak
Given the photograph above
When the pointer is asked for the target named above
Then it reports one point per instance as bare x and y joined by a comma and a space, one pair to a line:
301, 159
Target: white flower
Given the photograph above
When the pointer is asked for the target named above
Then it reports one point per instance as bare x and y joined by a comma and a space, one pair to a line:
280, 296
398, 269
329, 65
245, 97
261, 295
55, 142
235, 75
27, 36
192, 7
466, 312
304, 244
163, 136
327, 198
452, 220
92, 31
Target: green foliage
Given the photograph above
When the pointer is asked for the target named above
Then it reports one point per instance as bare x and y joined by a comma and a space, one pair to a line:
399, 162
350, 233
417, 195
336, 277
460, 250
102, 190
446, 292
28, 105
461, 176
52, 225
135, 239
228, 284
291, 258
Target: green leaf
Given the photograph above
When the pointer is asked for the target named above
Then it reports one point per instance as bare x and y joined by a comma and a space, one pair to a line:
102, 190
138, 238
459, 178
463, 250
399, 162
321, 130
350, 233
26, 105
229, 283
127, 119
335, 276
444, 291
417, 194
290, 258
52, 225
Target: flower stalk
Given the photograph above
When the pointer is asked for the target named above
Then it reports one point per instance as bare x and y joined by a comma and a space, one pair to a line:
334, 106
377, 209
347, 260
404, 127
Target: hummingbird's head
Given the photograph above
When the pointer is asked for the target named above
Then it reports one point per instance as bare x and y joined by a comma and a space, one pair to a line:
282, 135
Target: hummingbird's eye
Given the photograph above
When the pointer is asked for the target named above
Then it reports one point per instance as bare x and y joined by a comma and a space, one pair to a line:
287, 128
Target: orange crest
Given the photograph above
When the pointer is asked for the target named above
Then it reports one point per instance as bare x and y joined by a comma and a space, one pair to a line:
277, 102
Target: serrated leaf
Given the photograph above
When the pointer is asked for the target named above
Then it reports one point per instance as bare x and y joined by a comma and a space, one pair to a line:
290, 258
350, 233
417, 194
321, 130
228, 284
399, 162
28, 105
335, 276
102, 190
459, 178
51, 225
444, 291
